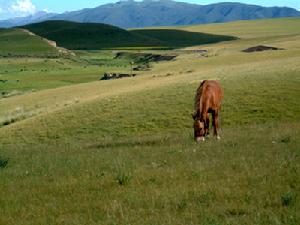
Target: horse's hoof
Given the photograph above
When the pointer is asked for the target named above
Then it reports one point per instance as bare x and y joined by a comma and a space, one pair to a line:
218, 138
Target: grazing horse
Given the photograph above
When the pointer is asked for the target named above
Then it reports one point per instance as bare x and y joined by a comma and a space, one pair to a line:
207, 100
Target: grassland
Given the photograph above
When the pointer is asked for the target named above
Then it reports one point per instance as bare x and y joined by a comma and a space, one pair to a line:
248, 29
121, 151
15, 42
20, 75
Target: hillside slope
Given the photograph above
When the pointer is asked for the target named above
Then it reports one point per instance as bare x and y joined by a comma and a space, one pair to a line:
82, 36
93, 36
250, 29
181, 38
17, 42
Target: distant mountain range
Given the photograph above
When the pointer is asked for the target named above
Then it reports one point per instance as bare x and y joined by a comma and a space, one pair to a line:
19, 21
131, 14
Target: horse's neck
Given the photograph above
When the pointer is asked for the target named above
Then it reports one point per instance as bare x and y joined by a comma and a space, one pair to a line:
199, 106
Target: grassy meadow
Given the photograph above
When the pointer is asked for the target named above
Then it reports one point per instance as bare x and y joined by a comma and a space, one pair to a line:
76, 150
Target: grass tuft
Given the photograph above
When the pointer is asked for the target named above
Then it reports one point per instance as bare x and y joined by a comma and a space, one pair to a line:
3, 163
286, 140
287, 199
123, 178
182, 205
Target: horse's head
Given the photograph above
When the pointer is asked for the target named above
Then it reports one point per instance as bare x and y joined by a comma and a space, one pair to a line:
199, 128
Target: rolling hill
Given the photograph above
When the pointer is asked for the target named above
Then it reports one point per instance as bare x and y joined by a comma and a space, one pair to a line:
83, 36
17, 42
133, 14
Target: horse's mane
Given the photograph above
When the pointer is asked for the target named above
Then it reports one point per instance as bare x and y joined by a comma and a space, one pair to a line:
198, 99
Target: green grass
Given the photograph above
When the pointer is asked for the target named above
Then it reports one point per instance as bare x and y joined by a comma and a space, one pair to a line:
126, 161
15, 42
249, 29
122, 151
33, 74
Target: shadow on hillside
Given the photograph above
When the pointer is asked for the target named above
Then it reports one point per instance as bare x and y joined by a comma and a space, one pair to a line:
180, 38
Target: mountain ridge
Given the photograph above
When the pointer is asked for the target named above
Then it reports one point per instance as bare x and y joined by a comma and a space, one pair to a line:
132, 14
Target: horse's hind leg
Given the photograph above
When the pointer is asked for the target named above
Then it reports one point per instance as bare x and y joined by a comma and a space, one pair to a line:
215, 116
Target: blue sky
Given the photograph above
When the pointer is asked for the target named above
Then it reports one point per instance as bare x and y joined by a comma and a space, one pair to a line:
15, 8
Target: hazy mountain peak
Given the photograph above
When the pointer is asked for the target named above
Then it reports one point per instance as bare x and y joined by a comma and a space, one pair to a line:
133, 14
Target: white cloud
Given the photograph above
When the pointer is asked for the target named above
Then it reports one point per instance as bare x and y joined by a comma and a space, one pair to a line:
23, 7
46, 10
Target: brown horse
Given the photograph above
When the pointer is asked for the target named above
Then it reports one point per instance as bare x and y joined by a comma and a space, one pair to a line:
208, 100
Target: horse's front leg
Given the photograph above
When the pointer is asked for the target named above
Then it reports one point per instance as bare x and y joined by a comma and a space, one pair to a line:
215, 115
207, 124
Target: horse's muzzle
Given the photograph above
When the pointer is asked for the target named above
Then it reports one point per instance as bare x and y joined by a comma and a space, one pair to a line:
198, 139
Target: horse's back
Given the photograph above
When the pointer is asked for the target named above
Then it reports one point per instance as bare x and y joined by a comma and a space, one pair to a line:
212, 87
212, 93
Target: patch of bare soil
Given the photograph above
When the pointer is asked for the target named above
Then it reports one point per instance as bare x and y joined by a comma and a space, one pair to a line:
110, 76
261, 48
146, 56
